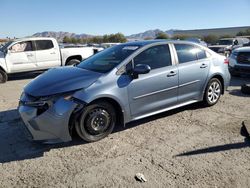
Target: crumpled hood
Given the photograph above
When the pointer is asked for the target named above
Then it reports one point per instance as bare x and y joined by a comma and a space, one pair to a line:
60, 80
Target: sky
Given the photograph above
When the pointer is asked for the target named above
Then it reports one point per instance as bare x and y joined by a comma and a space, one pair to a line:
21, 18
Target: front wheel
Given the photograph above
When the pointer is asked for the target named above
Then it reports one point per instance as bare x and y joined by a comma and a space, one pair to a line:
73, 62
213, 92
3, 76
96, 121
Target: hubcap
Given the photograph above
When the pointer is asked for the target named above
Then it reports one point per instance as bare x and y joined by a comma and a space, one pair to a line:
98, 121
214, 92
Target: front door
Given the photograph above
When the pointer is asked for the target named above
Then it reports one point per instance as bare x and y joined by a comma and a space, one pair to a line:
21, 57
156, 90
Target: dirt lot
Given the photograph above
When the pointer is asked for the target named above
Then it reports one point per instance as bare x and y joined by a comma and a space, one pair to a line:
189, 147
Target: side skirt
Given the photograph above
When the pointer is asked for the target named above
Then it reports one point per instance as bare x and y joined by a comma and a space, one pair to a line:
165, 109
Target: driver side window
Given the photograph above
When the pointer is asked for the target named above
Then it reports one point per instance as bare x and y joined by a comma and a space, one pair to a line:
21, 47
156, 57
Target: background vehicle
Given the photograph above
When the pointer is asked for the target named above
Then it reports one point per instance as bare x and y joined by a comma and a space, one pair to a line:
31, 54
247, 44
197, 40
239, 61
226, 45
120, 84
107, 45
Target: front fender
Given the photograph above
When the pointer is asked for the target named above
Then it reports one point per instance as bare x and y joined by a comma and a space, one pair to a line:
89, 96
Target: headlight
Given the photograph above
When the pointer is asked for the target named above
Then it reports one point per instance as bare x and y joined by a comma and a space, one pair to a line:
46, 100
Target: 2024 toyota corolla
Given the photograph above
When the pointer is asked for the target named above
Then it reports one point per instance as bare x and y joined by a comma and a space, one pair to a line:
120, 84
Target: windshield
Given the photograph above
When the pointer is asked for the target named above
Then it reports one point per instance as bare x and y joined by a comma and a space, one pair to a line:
106, 60
5, 45
225, 42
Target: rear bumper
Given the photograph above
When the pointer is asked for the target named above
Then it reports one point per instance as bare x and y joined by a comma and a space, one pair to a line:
51, 125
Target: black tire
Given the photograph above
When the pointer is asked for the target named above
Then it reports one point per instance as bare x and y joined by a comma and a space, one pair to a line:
213, 92
245, 89
96, 121
3, 76
73, 62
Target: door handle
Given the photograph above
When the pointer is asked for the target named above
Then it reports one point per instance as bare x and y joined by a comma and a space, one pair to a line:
29, 55
172, 73
53, 53
203, 66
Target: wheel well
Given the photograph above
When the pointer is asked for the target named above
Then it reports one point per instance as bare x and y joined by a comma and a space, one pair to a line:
78, 57
75, 115
117, 107
219, 77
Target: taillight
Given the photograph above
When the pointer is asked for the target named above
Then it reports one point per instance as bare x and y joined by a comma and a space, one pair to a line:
226, 61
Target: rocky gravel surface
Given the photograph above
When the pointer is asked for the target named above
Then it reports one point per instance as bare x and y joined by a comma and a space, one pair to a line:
189, 147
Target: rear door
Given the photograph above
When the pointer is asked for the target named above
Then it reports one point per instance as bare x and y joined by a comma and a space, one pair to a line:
158, 89
21, 57
47, 54
193, 67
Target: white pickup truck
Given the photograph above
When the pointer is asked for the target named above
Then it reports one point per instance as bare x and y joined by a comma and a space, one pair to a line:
32, 54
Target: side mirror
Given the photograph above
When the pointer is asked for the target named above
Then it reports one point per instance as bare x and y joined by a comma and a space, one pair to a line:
140, 69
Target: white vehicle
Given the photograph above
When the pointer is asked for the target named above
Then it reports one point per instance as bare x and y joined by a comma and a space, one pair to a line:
226, 45
32, 54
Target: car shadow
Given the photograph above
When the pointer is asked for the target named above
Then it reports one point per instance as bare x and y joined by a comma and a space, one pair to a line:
225, 147
238, 93
14, 146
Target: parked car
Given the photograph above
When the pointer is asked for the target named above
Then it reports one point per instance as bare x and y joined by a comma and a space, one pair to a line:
107, 45
197, 40
226, 45
247, 44
239, 61
31, 54
121, 84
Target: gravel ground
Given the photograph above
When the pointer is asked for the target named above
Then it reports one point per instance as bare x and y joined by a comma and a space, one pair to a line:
188, 147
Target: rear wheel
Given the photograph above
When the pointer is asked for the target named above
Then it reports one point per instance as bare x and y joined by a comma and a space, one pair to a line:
213, 92
96, 121
3, 76
73, 62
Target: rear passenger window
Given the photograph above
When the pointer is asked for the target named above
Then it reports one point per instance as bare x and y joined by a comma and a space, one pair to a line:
44, 44
187, 53
156, 57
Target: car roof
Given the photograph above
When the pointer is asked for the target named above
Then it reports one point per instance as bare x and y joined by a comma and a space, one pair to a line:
148, 42
33, 38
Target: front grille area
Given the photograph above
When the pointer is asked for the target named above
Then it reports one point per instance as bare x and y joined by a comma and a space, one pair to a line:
243, 57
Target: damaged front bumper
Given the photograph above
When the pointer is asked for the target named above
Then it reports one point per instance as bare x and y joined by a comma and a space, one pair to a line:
50, 124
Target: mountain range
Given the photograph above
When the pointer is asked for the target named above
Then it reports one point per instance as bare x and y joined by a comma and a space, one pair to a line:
151, 33
60, 35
